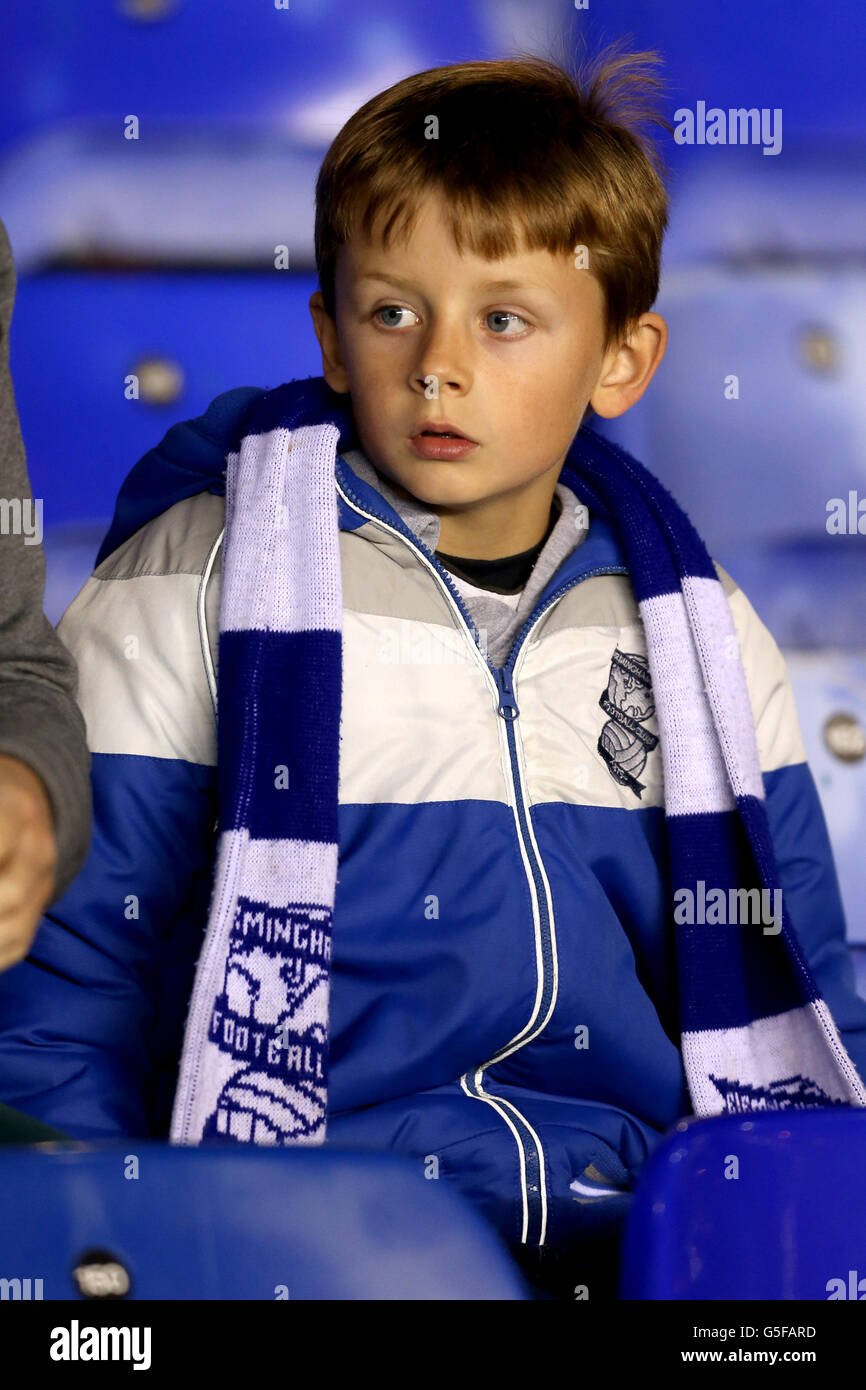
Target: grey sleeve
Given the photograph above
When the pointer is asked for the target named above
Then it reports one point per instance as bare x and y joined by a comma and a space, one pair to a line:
40, 722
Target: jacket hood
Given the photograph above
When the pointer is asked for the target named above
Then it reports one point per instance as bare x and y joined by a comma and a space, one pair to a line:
191, 457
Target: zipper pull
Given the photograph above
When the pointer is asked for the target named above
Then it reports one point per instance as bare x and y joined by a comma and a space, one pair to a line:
507, 703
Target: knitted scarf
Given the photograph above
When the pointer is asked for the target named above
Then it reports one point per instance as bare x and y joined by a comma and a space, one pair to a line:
755, 1031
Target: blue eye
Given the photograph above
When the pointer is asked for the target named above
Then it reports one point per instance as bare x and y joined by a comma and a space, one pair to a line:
506, 314
392, 309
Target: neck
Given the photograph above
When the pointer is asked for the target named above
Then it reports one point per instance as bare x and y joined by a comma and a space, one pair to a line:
497, 528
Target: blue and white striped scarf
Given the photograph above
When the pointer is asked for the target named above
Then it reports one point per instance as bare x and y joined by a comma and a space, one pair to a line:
755, 1031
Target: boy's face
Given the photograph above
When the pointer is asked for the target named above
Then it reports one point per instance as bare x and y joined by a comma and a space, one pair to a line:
515, 368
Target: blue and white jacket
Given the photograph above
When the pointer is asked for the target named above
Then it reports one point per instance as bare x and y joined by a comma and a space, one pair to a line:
503, 1001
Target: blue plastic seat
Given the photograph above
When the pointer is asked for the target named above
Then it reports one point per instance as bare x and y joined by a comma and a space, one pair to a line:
808, 590
235, 104
789, 1224
212, 331
218, 1223
232, 65
828, 684
759, 468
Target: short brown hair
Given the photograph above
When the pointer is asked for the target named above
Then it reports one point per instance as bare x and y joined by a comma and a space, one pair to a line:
524, 145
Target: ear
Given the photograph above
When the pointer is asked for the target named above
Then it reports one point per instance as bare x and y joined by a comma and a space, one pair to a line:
629, 367
333, 369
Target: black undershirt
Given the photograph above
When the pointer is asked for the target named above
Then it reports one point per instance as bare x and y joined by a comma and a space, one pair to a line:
506, 575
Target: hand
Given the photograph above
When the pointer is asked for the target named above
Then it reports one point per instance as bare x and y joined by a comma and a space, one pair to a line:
28, 857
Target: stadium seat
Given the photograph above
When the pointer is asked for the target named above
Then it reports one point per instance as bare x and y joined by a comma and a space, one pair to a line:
763, 290
827, 686
196, 199
233, 65
808, 590
186, 337
759, 466
761, 1205
153, 1221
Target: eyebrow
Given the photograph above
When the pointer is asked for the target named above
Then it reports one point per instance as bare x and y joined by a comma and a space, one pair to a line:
489, 285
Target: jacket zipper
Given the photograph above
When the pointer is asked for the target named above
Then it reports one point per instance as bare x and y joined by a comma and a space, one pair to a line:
532, 1166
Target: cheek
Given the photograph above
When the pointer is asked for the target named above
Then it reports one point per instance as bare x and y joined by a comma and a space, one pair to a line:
374, 357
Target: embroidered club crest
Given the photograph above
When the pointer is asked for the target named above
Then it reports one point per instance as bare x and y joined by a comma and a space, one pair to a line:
628, 700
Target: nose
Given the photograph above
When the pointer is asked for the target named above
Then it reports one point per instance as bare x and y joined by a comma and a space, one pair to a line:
442, 364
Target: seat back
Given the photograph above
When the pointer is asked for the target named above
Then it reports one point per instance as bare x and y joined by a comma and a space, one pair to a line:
150, 1220
767, 1204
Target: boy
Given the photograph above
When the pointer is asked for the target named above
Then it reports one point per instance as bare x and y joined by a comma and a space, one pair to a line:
509, 1002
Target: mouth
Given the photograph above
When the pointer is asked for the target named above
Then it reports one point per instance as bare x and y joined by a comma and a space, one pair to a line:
439, 442
442, 429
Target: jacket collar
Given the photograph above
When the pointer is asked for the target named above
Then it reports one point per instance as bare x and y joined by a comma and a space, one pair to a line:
600, 550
